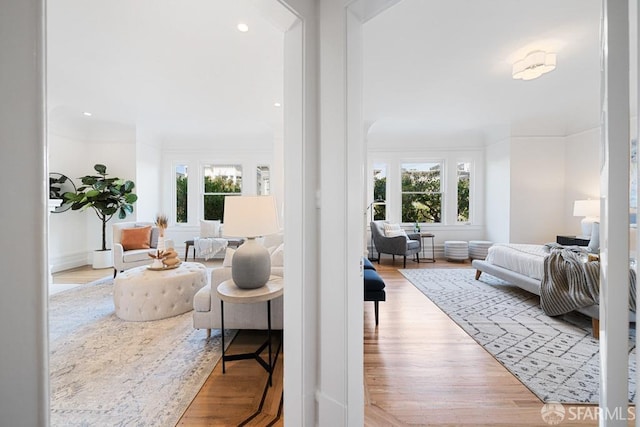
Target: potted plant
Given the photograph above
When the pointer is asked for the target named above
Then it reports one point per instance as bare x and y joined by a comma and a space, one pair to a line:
106, 196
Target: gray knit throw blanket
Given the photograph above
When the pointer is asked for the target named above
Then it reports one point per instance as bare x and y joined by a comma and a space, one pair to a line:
569, 283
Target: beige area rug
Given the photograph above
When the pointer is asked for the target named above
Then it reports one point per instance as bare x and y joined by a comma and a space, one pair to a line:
555, 357
108, 372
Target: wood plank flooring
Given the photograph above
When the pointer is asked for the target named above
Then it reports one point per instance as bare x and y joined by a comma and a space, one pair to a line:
420, 368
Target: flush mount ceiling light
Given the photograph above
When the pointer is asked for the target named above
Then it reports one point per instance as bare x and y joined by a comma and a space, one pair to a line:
86, 113
242, 27
534, 65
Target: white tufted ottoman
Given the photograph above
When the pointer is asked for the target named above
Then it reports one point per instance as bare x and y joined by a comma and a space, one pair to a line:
140, 294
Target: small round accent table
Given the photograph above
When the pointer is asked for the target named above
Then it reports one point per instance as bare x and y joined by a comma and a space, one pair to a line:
228, 292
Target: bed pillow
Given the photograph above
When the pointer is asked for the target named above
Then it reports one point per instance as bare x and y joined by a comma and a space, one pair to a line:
136, 238
393, 230
594, 243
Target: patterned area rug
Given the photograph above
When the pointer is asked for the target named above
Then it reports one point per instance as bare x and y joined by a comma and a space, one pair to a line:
555, 357
108, 372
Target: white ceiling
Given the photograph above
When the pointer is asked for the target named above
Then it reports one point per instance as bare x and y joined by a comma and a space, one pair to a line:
171, 68
180, 68
439, 67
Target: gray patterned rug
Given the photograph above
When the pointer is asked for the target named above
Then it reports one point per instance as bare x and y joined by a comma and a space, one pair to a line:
108, 372
555, 357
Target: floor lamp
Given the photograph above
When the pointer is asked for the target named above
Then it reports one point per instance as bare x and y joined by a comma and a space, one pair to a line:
370, 207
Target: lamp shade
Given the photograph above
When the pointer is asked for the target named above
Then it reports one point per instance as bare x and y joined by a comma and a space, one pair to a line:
250, 216
587, 208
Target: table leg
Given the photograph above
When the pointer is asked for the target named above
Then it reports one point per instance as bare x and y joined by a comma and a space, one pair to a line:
222, 331
269, 338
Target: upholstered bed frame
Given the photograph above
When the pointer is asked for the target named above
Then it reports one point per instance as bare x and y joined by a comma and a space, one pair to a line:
533, 286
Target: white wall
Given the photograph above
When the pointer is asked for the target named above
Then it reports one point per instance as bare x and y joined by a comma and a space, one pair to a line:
148, 179
582, 174
67, 230
498, 190
537, 189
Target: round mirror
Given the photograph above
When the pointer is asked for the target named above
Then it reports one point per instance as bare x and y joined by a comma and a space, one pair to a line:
58, 185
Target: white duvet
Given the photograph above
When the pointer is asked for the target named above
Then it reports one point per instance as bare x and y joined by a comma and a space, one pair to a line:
521, 258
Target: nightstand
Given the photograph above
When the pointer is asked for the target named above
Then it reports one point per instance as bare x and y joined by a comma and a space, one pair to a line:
572, 240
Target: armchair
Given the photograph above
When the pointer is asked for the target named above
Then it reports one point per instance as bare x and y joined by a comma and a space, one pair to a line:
398, 245
125, 259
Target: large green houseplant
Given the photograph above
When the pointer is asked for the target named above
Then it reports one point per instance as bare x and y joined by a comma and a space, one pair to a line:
106, 196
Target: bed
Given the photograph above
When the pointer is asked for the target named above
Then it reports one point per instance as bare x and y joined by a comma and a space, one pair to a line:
523, 265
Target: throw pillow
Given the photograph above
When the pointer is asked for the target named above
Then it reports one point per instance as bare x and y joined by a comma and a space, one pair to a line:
136, 238
393, 230
228, 257
277, 257
209, 228
594, 243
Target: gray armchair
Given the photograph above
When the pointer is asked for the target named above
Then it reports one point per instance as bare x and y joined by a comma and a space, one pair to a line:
399, 245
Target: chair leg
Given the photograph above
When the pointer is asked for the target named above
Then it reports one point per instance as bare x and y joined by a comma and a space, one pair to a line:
115, 271
375, 307
379, 256
404, 264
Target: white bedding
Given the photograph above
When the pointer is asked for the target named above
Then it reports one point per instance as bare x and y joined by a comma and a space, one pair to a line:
521, 258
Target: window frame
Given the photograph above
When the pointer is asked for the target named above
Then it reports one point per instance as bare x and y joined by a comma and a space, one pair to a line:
204, 194
443, 187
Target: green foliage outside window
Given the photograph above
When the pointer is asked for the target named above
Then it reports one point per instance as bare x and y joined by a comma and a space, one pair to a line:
216, 188
422, 195
181, 198
463, 199
379, 193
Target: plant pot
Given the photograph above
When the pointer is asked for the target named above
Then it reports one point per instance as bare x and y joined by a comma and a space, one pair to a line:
102, 259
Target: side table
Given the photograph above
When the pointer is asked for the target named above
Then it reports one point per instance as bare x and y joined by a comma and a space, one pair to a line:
431, 236
229, 292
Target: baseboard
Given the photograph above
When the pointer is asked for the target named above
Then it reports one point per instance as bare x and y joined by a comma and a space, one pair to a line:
67, 262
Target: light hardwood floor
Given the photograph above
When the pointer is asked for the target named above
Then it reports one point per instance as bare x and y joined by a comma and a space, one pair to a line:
420, 368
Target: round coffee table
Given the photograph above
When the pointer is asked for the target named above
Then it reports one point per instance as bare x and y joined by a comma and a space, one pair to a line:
141, 294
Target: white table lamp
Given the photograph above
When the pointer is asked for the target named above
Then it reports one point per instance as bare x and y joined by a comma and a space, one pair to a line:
590, 210
250, 217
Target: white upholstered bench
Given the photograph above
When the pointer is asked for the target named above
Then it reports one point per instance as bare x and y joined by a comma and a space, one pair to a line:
141, 294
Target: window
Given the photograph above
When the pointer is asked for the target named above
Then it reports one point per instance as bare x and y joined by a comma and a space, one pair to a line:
182, 181
379, 191
263, 187
464, 174
422, 192
220, 181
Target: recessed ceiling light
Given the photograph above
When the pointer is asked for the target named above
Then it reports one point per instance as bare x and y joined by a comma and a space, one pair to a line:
86, 113
242, 27
277, 104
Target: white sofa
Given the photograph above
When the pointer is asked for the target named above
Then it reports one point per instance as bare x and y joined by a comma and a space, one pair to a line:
206, 304
123, 260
